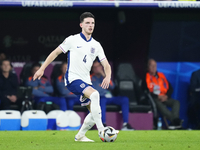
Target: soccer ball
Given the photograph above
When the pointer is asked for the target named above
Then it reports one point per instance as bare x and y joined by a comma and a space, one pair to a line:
109, 134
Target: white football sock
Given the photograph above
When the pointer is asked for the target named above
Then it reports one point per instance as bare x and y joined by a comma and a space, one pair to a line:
87, 124
96, 110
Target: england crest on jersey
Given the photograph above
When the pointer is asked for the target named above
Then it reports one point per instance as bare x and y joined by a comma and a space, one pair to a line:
92, 50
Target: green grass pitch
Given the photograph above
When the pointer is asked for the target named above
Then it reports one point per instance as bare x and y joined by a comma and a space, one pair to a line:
126, 140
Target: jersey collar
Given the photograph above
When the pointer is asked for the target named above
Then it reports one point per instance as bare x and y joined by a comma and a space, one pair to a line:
83, 37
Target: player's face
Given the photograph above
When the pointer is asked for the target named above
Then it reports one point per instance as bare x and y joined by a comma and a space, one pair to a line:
88, 25
6, 67
35, 69
152, 67
64, 68
97, 68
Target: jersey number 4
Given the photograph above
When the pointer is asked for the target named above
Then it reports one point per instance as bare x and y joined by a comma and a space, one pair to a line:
84, 59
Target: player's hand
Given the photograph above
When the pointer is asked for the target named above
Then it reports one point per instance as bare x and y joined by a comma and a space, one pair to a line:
105, 83
38, 74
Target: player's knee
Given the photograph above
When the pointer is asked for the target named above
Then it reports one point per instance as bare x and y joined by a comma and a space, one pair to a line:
94, 96
95, 106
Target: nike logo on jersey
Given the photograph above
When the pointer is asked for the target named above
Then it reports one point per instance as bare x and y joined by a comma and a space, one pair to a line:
79, 46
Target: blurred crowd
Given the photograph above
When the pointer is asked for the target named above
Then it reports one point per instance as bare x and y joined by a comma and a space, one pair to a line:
50, 94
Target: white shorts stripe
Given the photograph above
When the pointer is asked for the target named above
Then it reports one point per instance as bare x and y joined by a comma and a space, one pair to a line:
85, 89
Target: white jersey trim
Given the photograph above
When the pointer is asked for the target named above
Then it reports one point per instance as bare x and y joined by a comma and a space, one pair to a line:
62, 49
102, 59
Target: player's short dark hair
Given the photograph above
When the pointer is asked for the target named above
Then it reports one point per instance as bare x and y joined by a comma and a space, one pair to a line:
86, 15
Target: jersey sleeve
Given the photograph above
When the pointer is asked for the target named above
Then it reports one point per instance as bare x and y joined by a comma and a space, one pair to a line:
66, 45
101, 54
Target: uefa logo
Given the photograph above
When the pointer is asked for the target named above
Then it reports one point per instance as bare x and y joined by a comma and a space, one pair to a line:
82, 85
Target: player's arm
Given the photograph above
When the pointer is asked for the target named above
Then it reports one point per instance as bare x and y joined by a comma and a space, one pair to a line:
48, 60
107, 69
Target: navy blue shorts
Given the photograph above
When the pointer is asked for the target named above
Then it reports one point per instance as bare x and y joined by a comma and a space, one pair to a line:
78, 87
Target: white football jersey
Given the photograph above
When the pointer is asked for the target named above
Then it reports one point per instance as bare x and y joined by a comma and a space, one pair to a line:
81, 54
